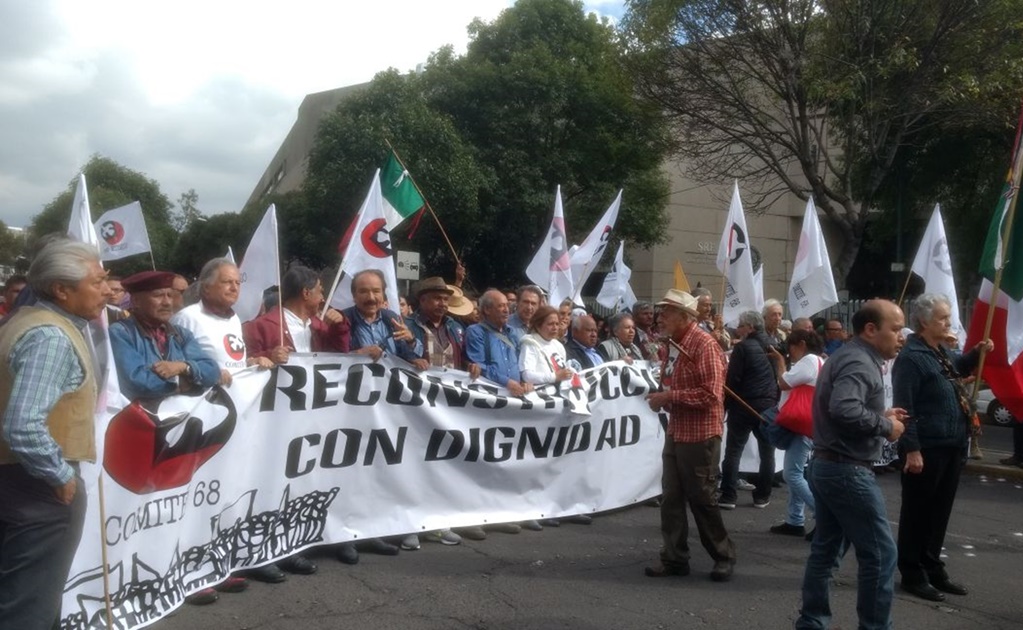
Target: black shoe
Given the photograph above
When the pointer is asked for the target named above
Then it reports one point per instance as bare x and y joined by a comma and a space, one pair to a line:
786, 529
661, 571
298, 565
347, 553
269, 574
375, 545
205, 597
579, 519
924, 590
809, 535
948, 586
722, 571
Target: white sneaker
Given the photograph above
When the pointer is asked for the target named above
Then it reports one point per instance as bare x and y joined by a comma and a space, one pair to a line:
742, 484
410, 542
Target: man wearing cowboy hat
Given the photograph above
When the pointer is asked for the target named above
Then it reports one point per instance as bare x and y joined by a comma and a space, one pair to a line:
443, 342
693, 378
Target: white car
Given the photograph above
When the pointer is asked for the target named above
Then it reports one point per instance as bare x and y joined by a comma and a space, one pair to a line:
988, 405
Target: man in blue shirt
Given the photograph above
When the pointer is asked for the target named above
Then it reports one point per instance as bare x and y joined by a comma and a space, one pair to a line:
528, 299
376, 330
155, 358
489, 344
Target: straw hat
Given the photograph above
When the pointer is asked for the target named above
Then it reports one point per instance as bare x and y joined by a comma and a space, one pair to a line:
681, 300
458, 304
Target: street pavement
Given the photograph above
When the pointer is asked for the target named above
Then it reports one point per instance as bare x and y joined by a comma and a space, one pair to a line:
591, 577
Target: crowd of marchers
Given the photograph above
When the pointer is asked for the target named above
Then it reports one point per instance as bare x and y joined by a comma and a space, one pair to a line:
812, 389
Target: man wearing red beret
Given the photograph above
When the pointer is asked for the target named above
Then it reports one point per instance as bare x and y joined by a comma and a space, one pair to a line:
153, 357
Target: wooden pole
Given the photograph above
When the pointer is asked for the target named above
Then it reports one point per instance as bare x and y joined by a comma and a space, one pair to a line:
103, 552
426, 203
902, 296
728, 390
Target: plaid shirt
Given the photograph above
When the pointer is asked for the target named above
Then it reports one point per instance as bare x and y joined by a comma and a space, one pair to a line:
45, 368
697, 380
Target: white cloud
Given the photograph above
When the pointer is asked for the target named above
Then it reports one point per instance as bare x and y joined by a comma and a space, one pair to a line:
194, 93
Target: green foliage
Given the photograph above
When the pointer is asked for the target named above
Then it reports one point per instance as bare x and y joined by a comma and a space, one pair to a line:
188, 211
825, 98
540, 98
12, 245
209, 238
111, 185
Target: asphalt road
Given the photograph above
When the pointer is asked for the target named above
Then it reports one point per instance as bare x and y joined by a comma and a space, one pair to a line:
591, 577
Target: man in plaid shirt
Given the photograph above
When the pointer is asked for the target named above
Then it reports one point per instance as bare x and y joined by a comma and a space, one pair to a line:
693, 378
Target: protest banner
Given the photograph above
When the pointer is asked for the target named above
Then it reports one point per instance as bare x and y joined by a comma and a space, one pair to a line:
331, 448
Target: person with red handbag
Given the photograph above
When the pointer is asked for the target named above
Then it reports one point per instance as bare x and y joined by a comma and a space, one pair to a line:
795, 413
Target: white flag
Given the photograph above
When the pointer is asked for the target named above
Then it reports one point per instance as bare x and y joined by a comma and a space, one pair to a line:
587, 256
122, 232
934, 265
230, 254
616, 292
80, 228
260, 268
551, 267
369, 248
812, 288
735, 261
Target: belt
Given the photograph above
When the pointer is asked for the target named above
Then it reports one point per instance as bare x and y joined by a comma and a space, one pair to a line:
832, 456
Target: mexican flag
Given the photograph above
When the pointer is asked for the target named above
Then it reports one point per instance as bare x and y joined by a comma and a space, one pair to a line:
400, 196
1003, 249
401, 199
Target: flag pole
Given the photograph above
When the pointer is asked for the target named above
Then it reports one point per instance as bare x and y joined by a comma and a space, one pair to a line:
151, 259
103, 552
727, 389
280, 292
426, 202
902, 296
1017, 171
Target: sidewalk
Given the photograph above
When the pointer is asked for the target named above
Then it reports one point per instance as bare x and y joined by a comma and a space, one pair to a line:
990, 467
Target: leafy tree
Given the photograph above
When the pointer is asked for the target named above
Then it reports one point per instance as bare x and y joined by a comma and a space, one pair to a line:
12, 245
208, 238
352, 143
541, 98
544, 97
819, 97
111, 185
187, 212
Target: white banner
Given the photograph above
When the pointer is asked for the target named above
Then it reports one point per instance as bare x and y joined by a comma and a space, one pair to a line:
332, 448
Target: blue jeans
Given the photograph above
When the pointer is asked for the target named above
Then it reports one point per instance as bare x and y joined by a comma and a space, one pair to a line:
799, 490
850, 507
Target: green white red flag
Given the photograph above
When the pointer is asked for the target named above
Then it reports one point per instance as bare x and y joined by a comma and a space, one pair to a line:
1003, 251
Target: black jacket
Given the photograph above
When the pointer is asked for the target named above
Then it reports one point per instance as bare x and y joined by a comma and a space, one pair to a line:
575, 350
936, 417
751, 375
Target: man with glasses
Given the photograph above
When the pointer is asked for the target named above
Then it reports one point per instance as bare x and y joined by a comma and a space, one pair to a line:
834, 336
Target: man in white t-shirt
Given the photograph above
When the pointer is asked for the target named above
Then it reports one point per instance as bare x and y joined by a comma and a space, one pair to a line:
218, 330
213, 321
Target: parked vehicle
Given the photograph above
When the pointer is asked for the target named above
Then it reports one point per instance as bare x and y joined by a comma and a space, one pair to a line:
995, 412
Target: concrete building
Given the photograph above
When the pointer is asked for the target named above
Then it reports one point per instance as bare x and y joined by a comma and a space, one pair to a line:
697, 215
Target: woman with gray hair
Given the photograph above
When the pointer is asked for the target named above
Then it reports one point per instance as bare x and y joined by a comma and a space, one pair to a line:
927, 383
621, 346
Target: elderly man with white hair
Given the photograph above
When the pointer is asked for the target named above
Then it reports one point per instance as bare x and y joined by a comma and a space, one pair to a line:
48, 396
773, 312
927, 382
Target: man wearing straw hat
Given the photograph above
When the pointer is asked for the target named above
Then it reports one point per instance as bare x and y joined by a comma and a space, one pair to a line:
693, 379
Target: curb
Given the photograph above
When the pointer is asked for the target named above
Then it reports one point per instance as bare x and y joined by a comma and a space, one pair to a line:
1014, 473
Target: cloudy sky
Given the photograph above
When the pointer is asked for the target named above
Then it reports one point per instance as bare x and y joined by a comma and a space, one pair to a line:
193, 93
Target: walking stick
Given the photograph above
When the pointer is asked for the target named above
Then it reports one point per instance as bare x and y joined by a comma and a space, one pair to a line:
728, 390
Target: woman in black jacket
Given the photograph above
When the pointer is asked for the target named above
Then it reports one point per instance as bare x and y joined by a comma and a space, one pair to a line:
926, 382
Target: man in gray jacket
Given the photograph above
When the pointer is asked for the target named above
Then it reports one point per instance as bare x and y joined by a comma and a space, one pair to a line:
850, 424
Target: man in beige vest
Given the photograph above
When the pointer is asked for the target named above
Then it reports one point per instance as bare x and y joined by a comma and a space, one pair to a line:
48, 397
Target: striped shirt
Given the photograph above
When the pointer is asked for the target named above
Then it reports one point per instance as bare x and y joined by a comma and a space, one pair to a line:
697, 379
44, 368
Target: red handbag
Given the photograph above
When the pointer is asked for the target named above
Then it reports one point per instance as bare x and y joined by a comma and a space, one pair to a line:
796, 414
